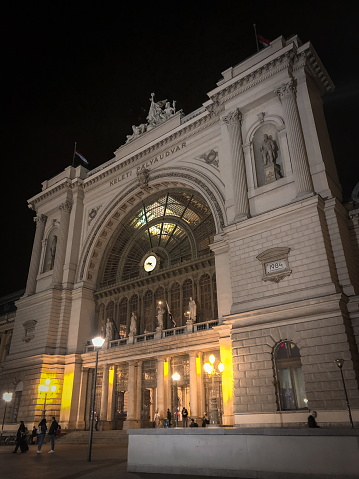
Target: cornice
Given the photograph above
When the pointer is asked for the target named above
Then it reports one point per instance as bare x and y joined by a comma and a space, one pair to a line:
65, 184
181, 134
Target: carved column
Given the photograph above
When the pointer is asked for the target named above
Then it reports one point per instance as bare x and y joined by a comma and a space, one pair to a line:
302, 176
241, 206
193, 387
65, 210
36, 254
84, 385
131, 397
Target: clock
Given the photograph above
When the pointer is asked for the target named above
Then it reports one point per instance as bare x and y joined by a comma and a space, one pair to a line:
150, 263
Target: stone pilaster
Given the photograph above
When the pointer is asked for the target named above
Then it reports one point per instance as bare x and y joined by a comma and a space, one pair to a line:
81, 420
36, 254
65, 211
104, 393
241, 206
160, 388
302, 176
193, 385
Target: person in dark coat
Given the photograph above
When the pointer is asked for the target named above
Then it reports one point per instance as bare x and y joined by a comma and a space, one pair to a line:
52, 431
311, 419
21, 439
193, 423
169, 417
33, 435
41, 431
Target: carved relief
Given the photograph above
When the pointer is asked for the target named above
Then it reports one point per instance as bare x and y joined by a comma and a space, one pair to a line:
211, 158
143, 176
29, 327
93, 213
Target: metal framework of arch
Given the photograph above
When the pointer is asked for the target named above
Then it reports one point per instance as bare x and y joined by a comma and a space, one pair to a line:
177, 225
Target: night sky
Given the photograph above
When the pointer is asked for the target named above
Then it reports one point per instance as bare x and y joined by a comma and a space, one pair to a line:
85, 72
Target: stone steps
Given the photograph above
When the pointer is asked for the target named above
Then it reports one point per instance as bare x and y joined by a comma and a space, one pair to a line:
98, 437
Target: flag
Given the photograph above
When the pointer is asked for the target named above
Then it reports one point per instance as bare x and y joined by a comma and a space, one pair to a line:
263, 41
170, 316
81, 157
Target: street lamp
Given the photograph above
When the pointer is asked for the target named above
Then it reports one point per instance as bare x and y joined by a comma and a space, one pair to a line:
7, 398
340, 363
212, 371
175, 377
46, 388
98, 343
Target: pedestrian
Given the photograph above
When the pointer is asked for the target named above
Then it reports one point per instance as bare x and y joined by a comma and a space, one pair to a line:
184, 417
96, 420
311, 419
33, 436
205, 420
41, 431
21, 439
52, 431
169, 417
193, 423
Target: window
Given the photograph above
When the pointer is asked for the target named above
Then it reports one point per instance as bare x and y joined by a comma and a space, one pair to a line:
290, 382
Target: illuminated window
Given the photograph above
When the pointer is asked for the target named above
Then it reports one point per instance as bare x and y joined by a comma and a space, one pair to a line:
290, 382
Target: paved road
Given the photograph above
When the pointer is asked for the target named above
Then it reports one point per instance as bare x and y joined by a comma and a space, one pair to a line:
69, 461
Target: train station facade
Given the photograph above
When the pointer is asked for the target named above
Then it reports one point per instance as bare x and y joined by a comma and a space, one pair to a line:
217, 234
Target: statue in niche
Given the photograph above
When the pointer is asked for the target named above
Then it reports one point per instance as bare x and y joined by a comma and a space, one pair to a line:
268, 149
192, 309
133, 324
160, 315
53, 251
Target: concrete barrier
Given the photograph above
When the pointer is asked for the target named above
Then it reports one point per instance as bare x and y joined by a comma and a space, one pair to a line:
268, 453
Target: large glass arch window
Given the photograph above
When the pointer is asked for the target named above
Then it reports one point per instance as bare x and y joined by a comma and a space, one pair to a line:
290, 381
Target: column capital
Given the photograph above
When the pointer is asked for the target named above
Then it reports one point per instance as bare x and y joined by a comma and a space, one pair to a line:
233, 118
40, 219
287, 89
66, 206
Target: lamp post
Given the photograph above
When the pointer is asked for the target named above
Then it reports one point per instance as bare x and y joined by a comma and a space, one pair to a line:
212, 371
46, 388
98, 343
7, 397
340, 363
175, 377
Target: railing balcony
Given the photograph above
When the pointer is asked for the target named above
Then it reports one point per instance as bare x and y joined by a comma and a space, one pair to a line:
165, 333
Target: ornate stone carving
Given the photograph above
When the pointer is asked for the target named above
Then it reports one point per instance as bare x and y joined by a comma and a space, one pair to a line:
66, 206
158, 113
29, 327
211, 158
143, 176
93, 213
233, 118
286, 89
40, 219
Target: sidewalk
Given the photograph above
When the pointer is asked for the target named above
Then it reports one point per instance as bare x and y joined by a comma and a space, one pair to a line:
69, 461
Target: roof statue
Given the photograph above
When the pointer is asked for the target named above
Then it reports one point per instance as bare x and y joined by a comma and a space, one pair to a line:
158, 113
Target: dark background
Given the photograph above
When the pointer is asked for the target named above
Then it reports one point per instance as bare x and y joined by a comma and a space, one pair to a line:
85, 72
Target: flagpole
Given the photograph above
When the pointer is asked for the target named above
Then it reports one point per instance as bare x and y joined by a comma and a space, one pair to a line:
255, 34
73, 157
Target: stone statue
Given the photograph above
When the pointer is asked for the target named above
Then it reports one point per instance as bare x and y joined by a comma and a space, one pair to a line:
53, 251
192, 309
160, 316
133, 324
268, 150
169, 110
109, 330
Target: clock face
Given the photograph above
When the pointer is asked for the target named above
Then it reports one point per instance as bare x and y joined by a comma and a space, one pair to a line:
150, 263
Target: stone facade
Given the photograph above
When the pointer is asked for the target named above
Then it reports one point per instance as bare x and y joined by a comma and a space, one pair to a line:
237, 205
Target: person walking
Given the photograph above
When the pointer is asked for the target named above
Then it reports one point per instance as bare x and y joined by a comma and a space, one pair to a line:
33, 435
21, 439
169, 418
184, 417
41, 431
52, 432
